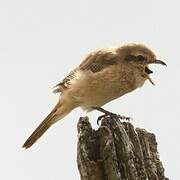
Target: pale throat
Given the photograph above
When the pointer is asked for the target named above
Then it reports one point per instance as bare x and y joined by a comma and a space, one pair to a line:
140, 77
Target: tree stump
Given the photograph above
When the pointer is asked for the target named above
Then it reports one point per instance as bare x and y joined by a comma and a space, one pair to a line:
117, 151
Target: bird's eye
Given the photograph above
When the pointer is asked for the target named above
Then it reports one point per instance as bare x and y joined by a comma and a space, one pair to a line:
140, 58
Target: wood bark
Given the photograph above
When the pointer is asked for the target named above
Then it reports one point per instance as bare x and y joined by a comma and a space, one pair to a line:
117, 151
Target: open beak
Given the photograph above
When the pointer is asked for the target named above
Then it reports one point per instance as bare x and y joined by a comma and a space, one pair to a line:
158, 62
148, 71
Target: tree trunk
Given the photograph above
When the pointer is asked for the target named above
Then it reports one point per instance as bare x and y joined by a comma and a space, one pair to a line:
117, 151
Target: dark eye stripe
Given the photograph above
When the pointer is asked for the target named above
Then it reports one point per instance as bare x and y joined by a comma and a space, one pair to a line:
130, 58
135, 58
140, 58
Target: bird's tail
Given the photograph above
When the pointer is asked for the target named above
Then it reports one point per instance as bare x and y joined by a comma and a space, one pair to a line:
60, 110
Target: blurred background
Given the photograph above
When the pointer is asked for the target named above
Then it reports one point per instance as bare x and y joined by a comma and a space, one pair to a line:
42, 41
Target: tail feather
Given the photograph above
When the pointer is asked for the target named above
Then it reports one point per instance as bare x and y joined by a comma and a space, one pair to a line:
56, 114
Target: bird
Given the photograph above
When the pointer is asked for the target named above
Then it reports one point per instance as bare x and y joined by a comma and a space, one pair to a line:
104, 75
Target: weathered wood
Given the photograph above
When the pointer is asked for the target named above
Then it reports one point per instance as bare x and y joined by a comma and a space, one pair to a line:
117, 151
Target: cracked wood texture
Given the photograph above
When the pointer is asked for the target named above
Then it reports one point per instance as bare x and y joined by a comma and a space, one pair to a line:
117, 151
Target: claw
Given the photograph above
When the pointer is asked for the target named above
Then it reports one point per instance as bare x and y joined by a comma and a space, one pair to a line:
100, 118
110, 114
125, 118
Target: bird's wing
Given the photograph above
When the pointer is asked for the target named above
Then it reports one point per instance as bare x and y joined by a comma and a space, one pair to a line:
99, 60
66, 82
94, 62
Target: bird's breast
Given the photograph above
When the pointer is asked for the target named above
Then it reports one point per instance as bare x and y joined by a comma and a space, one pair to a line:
96, 89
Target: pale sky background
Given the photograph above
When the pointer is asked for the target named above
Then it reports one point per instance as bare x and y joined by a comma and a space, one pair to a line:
41, 41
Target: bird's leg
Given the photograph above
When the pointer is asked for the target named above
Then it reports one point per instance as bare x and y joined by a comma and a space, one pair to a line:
103, 111
108, 113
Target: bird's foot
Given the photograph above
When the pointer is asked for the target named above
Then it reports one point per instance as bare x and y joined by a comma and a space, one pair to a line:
124, 118
110, 114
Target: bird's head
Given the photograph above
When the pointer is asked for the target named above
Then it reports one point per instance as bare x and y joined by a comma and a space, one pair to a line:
140, 57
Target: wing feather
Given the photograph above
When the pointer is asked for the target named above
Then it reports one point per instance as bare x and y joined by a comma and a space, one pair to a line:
99, 60
95, 62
